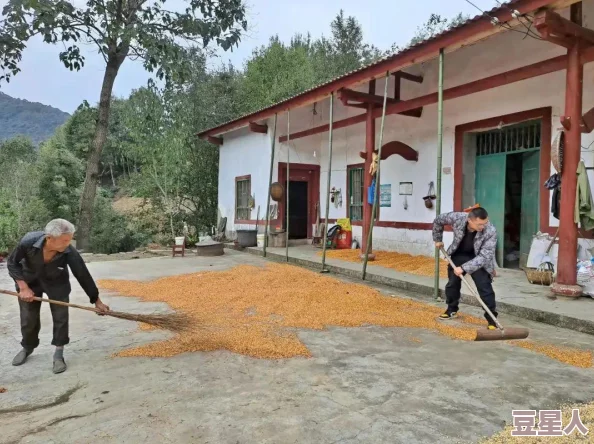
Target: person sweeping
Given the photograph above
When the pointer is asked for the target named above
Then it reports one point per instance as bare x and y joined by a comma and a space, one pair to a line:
473, 253
39, 264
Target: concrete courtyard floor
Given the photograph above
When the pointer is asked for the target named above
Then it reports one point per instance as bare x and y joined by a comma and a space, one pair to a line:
363, 385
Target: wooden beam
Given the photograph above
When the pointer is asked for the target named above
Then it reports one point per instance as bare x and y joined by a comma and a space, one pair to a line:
473, 32
214, 140
588, 121
552, 25
355, 105
557, 40
395, 147
407, 76
349, 94
345, 95
527, 72
257, 128
416, 112
324, 128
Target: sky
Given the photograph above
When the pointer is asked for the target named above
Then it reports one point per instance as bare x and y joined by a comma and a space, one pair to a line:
44, 79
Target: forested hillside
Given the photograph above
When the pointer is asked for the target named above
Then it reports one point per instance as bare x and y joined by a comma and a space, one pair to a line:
23, 118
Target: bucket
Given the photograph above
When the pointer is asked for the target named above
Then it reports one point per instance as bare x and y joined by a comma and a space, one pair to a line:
247, 238
345, 240
179, 240
260, 240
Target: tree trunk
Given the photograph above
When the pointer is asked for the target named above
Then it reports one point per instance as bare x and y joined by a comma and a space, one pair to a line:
87, 199
112, 178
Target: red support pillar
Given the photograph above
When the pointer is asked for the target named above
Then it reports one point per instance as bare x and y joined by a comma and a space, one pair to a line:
568, 235
367, 178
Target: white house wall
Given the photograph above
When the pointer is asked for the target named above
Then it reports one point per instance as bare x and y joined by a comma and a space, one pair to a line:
243, 153
499, 54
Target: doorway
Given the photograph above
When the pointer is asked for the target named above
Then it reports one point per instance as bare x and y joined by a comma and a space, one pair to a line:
298, 214
304, 197
507, 178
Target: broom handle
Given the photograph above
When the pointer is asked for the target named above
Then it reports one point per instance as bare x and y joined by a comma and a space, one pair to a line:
51, 301
552, 242
475, 294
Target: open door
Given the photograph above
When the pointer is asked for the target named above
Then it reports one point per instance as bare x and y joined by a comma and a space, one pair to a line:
530, 202
490, 194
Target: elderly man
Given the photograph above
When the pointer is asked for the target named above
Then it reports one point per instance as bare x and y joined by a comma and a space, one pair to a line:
38, 265
473, 253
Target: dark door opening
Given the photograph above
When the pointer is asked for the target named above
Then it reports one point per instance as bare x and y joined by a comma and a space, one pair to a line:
513, 210
298, 214
507, 181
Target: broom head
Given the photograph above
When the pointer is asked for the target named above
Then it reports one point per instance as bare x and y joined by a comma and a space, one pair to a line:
175, 322
506, 334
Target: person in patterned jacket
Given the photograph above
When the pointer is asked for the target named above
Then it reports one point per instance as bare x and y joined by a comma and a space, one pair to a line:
473, 253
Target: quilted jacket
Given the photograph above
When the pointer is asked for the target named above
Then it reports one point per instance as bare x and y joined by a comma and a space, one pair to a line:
485, 241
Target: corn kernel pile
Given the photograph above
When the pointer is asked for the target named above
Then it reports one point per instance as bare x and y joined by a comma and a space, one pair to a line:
586, 415
254, 311
405, 263
577, 358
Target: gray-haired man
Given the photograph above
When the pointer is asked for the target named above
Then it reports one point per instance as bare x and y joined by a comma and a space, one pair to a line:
39, 265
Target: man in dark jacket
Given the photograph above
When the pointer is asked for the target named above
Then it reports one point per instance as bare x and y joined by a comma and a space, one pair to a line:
39, 265
473, 253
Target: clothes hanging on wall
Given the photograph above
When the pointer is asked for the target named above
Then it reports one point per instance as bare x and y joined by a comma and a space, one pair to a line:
584, 207
554, 183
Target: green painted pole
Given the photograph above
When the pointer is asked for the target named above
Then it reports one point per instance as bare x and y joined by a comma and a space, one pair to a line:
288, 166
269, 185
377, 172
328, 184
439, 162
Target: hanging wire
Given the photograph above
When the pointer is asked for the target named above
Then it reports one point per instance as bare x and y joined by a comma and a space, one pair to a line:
589, 146
506, 26
528, 18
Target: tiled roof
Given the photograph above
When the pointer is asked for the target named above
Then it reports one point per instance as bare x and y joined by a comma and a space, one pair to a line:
495, 11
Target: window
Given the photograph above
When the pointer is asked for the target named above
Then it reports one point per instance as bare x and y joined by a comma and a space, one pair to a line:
242, 198
510, 139
355, 196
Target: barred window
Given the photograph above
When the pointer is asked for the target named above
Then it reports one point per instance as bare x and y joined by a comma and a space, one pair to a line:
242, 198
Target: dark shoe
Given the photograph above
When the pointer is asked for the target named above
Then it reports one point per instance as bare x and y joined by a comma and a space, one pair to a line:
448, 315
59, 366
21, 357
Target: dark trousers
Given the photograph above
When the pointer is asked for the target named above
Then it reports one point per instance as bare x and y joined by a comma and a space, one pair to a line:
31, 323
481, 278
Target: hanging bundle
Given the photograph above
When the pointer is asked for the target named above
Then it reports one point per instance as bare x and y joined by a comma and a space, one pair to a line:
430, 196
371, 192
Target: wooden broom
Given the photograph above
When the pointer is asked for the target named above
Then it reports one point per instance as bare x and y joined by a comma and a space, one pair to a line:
175, 322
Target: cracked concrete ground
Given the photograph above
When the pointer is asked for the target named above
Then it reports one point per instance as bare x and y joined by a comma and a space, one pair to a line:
363, 385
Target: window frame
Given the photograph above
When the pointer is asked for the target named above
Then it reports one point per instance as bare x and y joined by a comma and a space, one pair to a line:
238, 180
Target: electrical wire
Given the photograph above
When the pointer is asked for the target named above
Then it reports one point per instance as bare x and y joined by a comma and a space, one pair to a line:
505, 25
589, 146
527, 17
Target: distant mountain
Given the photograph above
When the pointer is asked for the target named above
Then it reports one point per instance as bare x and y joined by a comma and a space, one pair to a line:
34, 120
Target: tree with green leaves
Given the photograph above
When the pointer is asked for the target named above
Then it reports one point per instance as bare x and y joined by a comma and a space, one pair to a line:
21, 209
119, 29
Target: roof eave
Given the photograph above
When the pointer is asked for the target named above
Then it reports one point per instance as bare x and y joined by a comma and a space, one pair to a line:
473, 31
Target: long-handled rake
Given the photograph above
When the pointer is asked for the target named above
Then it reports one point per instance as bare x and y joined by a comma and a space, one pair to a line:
485, 334
175, 322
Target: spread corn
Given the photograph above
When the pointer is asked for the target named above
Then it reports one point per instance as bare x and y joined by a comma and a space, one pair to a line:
255, 311
402, 262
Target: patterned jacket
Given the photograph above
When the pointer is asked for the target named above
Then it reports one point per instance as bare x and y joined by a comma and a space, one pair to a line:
485, 241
